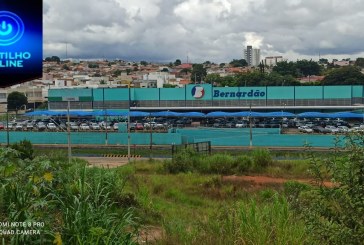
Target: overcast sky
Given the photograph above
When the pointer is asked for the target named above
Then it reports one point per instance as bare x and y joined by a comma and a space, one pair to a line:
214, 30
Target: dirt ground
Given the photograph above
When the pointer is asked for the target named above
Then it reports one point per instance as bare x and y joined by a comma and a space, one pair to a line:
112, 162
106, 162
265, 180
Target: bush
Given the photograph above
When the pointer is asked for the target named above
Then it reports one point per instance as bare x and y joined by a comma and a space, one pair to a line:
243, 164
25, 148
334, 215
184, 161
292, 191
220, 164
262, 158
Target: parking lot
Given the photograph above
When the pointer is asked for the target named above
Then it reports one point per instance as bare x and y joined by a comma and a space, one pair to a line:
163, 124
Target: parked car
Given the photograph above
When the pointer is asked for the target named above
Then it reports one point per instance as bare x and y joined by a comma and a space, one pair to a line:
333, 129
305, 129
19, 127
343, 129
139, 126
95, 126
321, 130
84, 126
51, 127
115, 126
73, 126
154, 125
41, 126
29, 126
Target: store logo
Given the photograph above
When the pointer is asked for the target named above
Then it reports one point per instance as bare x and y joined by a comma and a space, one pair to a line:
198, 92
11, 28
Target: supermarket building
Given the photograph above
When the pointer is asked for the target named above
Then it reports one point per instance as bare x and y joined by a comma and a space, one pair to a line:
205, 97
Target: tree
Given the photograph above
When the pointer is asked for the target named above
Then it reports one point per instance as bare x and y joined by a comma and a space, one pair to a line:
222, 65
334, 215
347, 75
143, 63
308, 67
360, 62
16, 100
198, 73
169, 86
117, 73
238, 63
213, 79
65, 67
323, 61
93, 65
177, 62
53, 59
286, 68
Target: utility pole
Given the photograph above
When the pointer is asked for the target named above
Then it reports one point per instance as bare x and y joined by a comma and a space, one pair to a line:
250, 126
69, 132
129, 125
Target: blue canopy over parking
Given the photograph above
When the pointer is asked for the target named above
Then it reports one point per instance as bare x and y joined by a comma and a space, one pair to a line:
192, 114
279, 114
219, 114
195, 114
346, 115
165, 114
314, 115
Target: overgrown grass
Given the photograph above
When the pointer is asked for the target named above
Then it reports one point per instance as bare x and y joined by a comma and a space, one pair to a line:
259, 161
201, 208
78, 205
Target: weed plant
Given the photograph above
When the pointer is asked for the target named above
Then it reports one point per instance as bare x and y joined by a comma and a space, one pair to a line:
77, 204
220, 163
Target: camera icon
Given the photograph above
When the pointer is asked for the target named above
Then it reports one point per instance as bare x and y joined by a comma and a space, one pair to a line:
11, 28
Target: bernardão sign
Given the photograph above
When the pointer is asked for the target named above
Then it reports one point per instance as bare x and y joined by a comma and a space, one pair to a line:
21, 41
243, 94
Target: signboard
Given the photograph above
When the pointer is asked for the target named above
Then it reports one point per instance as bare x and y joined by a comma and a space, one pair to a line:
70, 98
21, 41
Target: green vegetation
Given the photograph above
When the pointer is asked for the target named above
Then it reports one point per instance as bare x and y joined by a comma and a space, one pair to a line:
75, 204
347, 75
190, 161
16, 100
191, 199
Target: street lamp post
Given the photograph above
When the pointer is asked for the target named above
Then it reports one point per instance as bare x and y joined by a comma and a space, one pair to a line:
129, 124
69, 132
250, 126
7, 126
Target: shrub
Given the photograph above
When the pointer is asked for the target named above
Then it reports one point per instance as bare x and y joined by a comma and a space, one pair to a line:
25, 148
243, 164
261, 158
292, 191
220, 163
334, 215
184, 161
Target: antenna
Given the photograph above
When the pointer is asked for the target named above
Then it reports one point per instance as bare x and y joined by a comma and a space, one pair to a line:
66, 50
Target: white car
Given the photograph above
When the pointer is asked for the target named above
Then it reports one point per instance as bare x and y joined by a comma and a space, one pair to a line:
343, 129
116, 126
51, 127
333, 129
84, 126
241, 125
95, 126
305, 129
154, 125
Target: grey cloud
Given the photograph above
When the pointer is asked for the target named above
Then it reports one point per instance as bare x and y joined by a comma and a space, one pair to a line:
163, 30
